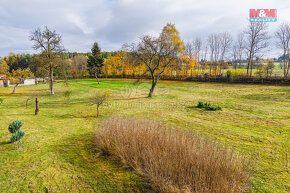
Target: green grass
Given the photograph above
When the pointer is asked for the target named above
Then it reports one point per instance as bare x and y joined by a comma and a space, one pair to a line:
58, 156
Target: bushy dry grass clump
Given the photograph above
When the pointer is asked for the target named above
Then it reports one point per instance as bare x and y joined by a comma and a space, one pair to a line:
171, 159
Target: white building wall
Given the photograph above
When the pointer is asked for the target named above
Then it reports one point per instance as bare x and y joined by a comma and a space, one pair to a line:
29, 81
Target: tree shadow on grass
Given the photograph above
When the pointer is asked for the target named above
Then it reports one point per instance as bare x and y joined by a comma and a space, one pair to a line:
192, 107
128, 99
98, 172
64, 103
32, 94
5, 142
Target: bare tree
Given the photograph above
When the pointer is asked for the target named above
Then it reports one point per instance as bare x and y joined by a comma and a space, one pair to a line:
189, 50
217, 46
235, 55
204, 53
211, 46
256, 36
197, 47
159, 53
225, 44
50, 44
283, 37
80, 62
197, 50
241, 47
214, 44
238, 50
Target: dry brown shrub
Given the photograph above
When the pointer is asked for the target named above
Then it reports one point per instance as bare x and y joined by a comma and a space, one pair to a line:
171, 159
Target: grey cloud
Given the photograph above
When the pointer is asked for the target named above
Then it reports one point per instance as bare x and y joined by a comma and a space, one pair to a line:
114, 22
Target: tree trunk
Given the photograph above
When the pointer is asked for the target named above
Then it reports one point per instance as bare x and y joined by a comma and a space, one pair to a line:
249, 64
97, 78
288, 67
51, 82
251, 69
98, 111
36, 106
285, 62
248, 67
14, 88
154, 82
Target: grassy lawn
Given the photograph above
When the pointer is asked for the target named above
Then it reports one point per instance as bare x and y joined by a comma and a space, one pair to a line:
57, 153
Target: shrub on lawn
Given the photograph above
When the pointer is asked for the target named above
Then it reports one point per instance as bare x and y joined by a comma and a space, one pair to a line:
100, 99
18, 134
208, 106
200, 104
172, 160
67, 94
1, 100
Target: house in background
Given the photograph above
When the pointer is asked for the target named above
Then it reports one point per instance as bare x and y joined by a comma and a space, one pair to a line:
29, 81
2, 80
6, 83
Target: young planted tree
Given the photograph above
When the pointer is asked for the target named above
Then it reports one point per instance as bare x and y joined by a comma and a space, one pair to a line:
283, 37
15, 129
158, 53
67, 94
17, 77
96, 61
100, 99
50, 45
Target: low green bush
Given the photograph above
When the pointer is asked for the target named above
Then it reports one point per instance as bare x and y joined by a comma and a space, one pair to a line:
1, 100
200, 104
208, 106
229, 73
67, 94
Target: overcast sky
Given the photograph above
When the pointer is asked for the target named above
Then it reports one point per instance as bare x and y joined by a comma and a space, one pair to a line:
114, 22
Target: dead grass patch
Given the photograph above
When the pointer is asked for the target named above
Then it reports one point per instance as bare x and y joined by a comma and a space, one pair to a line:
171, 159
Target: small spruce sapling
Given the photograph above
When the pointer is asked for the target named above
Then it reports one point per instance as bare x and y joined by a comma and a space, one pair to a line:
18, 134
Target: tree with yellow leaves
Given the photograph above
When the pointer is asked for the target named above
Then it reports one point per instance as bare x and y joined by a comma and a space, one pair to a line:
158, 53
4, 68
17, 77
